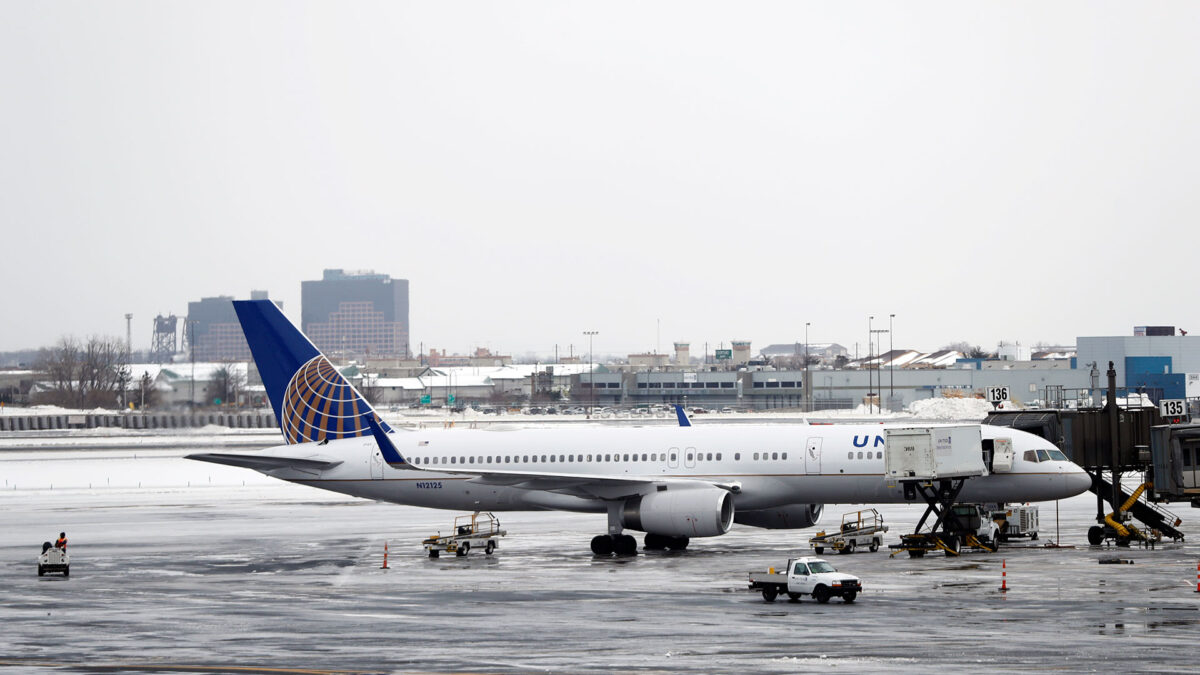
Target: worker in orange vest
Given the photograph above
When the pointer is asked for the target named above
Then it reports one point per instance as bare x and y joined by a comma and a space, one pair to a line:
62, 541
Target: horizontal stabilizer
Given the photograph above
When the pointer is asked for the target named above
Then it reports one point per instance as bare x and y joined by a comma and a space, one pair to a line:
266, 462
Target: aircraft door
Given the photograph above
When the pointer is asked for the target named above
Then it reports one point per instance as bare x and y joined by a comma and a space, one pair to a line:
673, 458
376, 464
812, 457
689, 458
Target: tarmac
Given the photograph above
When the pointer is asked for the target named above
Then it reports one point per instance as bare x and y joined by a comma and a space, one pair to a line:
213, 576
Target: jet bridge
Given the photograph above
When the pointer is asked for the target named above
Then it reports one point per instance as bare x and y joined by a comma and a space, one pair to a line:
1115, 441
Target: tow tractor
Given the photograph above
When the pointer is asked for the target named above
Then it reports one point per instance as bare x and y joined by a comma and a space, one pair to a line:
859, 529
806, 576
54, 559
477, 530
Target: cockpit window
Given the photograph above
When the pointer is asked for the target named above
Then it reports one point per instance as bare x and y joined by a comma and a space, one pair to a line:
1029, 456
1058, 456
1043, 456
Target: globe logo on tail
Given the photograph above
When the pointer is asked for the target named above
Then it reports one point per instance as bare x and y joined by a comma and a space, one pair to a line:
319, 404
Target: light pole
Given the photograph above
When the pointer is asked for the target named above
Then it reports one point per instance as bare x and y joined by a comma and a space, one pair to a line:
192, 345
591, 372
875, 336
892, 363
807, 382
870, 354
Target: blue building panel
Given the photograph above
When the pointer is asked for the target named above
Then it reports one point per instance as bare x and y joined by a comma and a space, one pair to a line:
1151, 365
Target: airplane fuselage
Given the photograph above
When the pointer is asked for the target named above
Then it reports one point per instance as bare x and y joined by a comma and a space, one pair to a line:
767, 466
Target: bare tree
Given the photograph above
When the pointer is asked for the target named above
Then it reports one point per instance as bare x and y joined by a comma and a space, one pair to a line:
968, 350
227, 382
147, 394
83, 375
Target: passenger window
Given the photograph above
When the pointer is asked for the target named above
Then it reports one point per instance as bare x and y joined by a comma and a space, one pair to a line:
756, 455
718, 456
689, 457
551, 458
783, 456
850, 455
1029, 456
737, 456
643, 456
673, 457
525, 459
860, 455
452, 460
1043, 456
626, 458
589, 458
470, 460
608, 458
774, 455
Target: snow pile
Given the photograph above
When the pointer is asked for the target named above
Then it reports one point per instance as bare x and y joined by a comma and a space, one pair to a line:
973, 409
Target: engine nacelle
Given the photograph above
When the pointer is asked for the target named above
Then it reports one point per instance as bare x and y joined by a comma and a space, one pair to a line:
689, 512
790, 517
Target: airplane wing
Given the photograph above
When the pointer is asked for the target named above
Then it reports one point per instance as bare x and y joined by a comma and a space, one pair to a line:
264, 463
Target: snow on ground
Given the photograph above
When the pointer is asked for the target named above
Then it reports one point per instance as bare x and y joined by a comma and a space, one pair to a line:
974, 409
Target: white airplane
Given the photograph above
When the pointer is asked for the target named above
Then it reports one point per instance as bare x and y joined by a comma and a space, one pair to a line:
671, 483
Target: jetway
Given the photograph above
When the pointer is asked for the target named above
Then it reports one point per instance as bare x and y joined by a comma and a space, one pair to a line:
1115, 440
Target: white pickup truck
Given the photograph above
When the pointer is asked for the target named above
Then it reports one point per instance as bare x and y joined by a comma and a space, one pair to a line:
807, 576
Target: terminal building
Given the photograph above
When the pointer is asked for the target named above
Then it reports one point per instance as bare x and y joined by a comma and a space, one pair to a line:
361, 314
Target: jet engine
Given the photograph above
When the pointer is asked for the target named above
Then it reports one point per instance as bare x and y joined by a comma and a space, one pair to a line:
790, 517
690, 512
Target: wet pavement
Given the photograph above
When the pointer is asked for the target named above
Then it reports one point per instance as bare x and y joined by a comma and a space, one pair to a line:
272, 575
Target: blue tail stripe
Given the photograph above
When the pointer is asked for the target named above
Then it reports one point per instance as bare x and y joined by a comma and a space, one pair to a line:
308, 394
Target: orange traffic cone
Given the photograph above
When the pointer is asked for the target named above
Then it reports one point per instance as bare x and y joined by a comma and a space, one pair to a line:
1004, 576
385, 566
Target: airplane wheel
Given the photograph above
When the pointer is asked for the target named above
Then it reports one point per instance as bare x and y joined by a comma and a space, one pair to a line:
602, 544
655, 542
625, 545
1095, 535
678, 543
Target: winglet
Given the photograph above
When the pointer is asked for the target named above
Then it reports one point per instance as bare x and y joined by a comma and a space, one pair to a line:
390, 454
683, 419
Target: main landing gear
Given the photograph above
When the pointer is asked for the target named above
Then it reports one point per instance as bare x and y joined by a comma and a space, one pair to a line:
625, 544
616, 541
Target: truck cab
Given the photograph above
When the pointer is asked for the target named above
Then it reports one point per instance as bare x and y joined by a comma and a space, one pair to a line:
816, 577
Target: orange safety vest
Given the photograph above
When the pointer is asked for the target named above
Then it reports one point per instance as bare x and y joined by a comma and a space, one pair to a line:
61, 543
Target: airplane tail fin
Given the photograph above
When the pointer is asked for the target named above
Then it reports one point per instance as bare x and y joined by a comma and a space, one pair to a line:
312, 400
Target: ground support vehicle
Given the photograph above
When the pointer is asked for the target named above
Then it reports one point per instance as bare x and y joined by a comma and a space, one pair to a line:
859, 529
806, 576
958, 527
54, 560
476, 531
1014, 522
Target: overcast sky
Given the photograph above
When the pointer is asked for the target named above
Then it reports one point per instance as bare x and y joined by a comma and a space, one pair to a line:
1006, 171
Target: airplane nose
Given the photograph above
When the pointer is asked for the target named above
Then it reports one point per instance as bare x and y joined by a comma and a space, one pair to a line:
1077, 482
